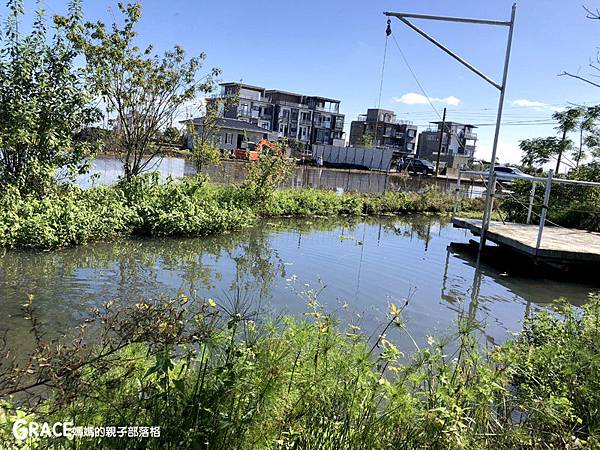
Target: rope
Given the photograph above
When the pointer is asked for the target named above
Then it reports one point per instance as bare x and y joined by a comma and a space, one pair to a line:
414, 75
382, 71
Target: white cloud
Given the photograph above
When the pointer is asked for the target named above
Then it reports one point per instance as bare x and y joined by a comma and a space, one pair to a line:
528, 103
539, 106
412, 98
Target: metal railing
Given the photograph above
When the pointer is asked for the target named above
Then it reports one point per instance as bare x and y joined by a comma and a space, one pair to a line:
545, 206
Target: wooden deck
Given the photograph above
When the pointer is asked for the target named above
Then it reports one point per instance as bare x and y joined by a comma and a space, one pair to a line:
559, 245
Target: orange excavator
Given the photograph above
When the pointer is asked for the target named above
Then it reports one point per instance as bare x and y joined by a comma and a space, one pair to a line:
253, 151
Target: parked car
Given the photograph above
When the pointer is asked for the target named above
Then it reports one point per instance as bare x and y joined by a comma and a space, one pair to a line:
417, 166
508, 170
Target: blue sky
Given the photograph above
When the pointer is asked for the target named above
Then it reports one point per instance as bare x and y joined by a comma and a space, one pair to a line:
335, 48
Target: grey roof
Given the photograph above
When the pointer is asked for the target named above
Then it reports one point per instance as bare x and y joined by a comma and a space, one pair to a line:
243, 85
279, 91
234, 124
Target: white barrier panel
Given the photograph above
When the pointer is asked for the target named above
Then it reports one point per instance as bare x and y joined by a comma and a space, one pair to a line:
372, 158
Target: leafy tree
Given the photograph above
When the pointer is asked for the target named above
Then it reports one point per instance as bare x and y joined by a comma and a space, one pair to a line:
366, 140
589, 133
266, 175
172, 136
541, 150
142, 91
206, 132
205, 153
567, 122
538, 151
44, 102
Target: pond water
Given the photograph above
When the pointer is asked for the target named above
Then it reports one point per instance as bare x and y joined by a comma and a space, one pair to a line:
362, 266
107, 170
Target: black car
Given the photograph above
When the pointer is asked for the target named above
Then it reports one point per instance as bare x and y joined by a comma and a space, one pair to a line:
418, 166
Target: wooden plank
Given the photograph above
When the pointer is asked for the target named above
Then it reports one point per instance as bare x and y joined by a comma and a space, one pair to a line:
558, 244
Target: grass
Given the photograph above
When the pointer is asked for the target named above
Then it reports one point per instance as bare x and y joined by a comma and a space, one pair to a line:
216, 379
194, 207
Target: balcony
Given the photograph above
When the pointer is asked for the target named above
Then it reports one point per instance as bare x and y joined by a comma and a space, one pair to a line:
333, 108
291, 104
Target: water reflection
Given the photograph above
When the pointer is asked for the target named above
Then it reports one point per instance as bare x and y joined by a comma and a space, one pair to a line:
364, 264
107, 170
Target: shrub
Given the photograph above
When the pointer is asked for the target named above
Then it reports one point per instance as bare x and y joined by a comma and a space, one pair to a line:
145, 206
70, 217
181, 209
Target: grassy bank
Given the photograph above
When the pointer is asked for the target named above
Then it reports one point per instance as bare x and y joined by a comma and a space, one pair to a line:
193, 207
215, 379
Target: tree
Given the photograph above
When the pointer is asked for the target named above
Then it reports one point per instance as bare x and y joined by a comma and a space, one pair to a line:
44, 102
595, 64
366, 140
589, 133
204, 154
539, 151
267, 174
206, 132
172, 136
567, 122
141, 91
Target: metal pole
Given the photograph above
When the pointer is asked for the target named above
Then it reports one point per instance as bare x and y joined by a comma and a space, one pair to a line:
544, 209
437, 163
492, 187
451, 53
531, 199
456, 192
485, 222
447, 18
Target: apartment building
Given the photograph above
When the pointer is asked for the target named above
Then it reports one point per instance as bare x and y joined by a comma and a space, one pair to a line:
458, 143
309, 119
385, 130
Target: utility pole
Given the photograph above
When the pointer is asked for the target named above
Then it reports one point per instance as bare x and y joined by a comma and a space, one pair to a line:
403, 17
437, 163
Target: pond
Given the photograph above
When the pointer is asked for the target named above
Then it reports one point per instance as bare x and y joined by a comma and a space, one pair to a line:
107, 170
361, 266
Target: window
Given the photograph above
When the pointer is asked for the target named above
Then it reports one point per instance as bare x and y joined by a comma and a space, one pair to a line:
303, 133
229, 138
244, 109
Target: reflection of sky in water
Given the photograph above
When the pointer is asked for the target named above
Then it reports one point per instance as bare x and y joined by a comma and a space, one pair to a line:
106, 170
366, 265
109, 170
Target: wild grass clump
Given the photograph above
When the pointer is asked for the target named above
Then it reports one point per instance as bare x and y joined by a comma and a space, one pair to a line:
193, 207
212, 379
555, 368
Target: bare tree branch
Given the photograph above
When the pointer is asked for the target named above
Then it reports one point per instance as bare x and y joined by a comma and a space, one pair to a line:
579, 78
